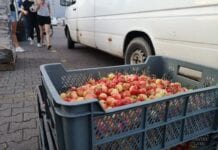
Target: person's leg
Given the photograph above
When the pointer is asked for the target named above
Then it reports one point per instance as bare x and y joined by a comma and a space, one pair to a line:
38, 36
37, 32
41, 33
44, 36
15, 43
40, 27
31, 31
14, 36
27, 27
47, 31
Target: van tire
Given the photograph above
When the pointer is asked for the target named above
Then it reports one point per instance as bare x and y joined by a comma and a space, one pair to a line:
137, 51
70, 43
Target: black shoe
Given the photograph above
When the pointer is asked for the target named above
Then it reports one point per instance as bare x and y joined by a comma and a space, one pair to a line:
49, 47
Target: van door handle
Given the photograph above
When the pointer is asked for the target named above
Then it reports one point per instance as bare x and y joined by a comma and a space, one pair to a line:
74, 9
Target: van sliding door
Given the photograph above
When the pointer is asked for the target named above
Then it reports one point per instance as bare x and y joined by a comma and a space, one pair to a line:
85, 22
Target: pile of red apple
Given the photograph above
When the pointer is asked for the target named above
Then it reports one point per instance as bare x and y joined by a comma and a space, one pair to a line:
121, 89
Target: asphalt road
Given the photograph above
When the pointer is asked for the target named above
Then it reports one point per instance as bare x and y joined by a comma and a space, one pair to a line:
81, 56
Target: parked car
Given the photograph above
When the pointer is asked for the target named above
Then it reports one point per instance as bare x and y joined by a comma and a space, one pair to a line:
133, 30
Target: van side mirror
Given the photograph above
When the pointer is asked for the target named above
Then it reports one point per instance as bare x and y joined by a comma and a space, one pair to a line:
67, 2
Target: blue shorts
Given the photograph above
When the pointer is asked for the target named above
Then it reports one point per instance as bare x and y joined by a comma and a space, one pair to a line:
13, 17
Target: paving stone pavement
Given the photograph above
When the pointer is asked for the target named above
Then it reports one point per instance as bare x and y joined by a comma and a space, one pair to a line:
18, 109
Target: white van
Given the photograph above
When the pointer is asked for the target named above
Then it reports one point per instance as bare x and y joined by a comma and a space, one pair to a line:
134, 29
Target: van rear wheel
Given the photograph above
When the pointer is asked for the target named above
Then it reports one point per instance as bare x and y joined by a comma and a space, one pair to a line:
137, 51
70, 43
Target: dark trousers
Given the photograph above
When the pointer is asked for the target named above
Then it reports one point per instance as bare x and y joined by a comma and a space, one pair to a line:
26, 25
34, 25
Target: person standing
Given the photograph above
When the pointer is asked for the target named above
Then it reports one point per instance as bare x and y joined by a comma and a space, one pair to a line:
29, 7
44, 20
26, 23
13, 20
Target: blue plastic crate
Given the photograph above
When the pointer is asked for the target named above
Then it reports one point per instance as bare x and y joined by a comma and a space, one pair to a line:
156, 124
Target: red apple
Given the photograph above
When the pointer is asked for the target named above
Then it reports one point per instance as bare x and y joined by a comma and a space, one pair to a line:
116, 96
104, 88
74, 94
142, 84
103, 104
133, 90
90, 96
80, 99
119, 87
102, 96
166, 83
143, 77
111, 84
127, 100
151, 91
142, 90
80, 91
73, 88
121, 78
133, 77
63, 95
91, 81
133, 98
142, 97
98, 89
114, 91
110, 101
125, 94
68, 99
126, 86
118, 103
111, 76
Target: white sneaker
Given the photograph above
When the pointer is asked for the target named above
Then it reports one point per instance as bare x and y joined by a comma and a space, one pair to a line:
19, 49
39, 45
31, 42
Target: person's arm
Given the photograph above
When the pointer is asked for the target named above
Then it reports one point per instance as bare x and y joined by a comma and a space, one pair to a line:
38, 3
23, 9
49, 8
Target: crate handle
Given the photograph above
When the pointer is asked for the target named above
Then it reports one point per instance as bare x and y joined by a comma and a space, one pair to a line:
189, 73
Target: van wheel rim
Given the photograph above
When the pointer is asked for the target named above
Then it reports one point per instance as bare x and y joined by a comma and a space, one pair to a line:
137, 57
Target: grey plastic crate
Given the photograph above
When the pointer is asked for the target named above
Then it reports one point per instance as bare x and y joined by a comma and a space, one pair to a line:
156, 124
207, 142
46, 140
45, 137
